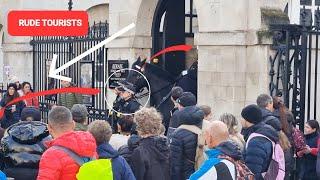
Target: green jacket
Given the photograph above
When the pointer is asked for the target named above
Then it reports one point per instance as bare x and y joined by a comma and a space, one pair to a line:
80, 127
69, 99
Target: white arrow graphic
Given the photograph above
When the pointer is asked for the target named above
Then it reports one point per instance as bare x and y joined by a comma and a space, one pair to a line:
53, 72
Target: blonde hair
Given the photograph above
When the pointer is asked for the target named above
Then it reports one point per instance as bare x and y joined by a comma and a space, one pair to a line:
231, 121
284, 141
101, 131
148, 121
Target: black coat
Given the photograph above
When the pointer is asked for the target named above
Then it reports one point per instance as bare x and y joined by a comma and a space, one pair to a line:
309, 161
22, 148
183, 144
150, 160
127, 150
189, 82
174, 121
10, 118
258, 154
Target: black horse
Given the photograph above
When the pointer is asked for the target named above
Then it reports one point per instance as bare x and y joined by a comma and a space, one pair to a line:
161, 83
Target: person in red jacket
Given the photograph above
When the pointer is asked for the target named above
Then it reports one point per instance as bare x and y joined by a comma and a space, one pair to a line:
55, 164
26, 89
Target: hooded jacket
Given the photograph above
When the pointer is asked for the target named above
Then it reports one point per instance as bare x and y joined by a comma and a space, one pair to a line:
121, 169
258, 152
22, 147
150, 160
127, 150
217, 168
183, 144
271, 119
55, 164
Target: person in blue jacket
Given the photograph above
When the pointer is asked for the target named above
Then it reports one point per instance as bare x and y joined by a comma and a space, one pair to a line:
258, 151
221, 153
101, 131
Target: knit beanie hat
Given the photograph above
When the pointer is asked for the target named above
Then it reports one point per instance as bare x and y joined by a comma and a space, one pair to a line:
30, 113
252, 114
187, 99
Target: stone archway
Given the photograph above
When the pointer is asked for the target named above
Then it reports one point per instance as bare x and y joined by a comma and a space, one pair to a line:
145, 22
98, 13
228, 45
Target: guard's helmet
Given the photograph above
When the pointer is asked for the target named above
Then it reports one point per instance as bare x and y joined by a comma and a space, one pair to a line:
126, 86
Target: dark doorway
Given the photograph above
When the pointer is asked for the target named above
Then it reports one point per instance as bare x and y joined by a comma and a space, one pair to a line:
172, 24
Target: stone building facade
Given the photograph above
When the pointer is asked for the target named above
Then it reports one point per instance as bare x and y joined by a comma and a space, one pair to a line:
229, 43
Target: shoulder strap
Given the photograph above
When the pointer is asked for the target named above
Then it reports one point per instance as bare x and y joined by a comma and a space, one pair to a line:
258, 135
228, 158
191, 128
78, 159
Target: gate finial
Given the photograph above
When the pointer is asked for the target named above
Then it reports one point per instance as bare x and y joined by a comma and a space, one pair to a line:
70, 3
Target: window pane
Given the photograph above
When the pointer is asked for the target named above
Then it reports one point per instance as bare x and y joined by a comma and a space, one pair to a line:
195, 27
187, 25
305, 2
317, 2
194, 8
187, 6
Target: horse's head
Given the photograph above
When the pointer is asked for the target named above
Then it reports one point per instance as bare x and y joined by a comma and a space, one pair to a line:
139, 64
135, 77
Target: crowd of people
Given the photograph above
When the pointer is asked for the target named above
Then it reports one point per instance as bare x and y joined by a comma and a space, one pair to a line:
263, 144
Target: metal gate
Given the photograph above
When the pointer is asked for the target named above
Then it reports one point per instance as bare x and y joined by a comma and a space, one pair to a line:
88, 72
294, 67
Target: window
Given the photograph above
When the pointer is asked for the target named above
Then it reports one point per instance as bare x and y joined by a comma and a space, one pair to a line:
303, 9
191, 19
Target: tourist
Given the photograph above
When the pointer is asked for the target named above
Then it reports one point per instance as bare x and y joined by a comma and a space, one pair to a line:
233, 129
150, 160
102, 132
80, 116
12, 113
55, 163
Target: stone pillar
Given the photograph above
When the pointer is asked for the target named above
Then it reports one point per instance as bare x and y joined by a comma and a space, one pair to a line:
17, 51
138, 41
233, 50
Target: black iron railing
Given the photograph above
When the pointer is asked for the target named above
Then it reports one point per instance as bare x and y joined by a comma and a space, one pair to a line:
294, 67
91, 71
